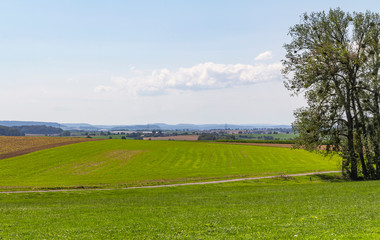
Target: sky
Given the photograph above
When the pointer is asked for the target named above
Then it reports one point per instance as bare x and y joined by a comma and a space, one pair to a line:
138, 62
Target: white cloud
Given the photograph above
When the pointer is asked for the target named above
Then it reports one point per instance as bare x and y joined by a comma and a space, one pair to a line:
102, 88
264, 56
203, 76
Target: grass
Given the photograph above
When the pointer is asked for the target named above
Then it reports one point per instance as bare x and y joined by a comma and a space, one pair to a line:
298, 208
129, 163
257, 141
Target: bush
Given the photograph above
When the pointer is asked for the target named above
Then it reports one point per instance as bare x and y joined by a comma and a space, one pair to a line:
206, 136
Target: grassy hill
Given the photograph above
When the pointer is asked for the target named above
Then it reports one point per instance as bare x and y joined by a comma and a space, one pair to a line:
128, 163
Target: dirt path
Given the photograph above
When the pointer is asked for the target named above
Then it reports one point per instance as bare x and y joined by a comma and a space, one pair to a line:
173, 185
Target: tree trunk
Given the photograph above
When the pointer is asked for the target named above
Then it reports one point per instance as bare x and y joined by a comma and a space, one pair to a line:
350, 135
357, 126
376, 125
365, 147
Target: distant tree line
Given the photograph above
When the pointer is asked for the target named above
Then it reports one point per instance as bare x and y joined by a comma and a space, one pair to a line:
39, 129
22, 130
215, 136
10, 131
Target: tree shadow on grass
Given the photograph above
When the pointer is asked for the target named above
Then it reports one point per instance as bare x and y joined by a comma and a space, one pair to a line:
330, 178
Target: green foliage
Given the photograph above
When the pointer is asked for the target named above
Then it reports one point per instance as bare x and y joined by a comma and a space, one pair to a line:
10, 131
39, 129
215, 136
266, 209
128, 162
334, 60
207, 136
66, 133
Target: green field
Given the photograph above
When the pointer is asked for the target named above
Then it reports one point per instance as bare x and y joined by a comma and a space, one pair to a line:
128, 163
266, 209
308, 207
279, 136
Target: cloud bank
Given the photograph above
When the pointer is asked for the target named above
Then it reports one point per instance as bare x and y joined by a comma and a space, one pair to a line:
204, 76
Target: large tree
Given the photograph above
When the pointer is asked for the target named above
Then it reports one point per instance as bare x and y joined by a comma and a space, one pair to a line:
333, 59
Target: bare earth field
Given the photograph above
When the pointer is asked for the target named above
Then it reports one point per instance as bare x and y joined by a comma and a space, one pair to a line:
16, 146
179, 137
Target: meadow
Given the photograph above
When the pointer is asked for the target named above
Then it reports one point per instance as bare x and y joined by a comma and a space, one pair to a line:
315, 207
123, 163
307, 207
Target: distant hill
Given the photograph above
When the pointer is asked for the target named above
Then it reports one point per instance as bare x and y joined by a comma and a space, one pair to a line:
153, 126
31, 129
79, 126
28, 123
216, 126
163, 126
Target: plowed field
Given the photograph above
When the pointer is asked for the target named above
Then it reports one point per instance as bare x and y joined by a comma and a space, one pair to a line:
16, 146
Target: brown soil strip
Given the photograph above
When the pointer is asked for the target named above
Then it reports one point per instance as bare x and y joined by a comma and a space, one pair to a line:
175, 185
42, 147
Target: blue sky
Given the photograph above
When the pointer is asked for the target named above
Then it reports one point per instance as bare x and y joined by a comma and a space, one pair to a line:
138, 62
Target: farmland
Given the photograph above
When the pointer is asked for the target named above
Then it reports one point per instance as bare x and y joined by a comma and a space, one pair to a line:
285, 207
317, 207
14, 146
121, 163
